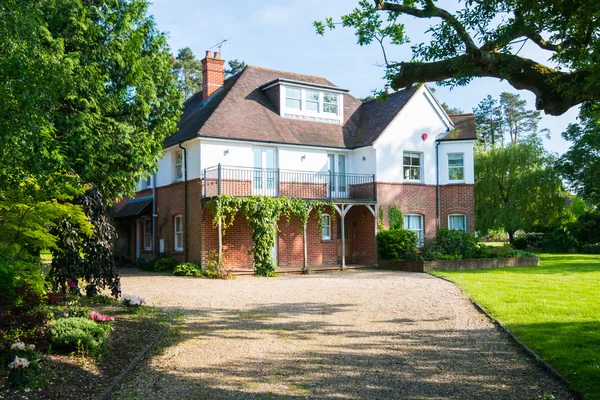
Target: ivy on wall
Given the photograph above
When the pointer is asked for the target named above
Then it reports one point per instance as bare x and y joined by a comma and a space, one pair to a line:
262, 214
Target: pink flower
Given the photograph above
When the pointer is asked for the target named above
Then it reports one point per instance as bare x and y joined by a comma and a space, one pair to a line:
71, 284
98, 317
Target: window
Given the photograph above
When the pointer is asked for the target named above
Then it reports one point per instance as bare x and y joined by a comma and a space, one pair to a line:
179, 165
414, 222
147, 234
412, 166
312, 101
456, 167
326, 230
458, 222
330, 103
178, 236
147, 183
293, 97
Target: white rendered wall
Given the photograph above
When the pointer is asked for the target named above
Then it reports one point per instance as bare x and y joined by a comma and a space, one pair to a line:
457, 147
405, 134
358, 165
303, 159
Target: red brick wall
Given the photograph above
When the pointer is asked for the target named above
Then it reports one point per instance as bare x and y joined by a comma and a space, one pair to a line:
411, 199
421, 199
362, 230
457, 199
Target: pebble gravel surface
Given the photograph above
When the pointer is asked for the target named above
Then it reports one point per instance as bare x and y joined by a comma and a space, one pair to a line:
360, 334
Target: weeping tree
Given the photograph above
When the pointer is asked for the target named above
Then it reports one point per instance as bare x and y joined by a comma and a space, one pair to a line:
83, 257
484, 38
518, 188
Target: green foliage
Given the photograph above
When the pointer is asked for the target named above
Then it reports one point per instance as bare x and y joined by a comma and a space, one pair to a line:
235, 66
86, 257
77, 333
188, 70
517, 188
483, 38
215, 267
396, 245
561, 240
262, 214
380, 223
591, 248
187, 269
165, 264
457, 244
395, 217
581, 163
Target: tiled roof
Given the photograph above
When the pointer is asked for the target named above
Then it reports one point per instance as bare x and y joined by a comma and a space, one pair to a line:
242, 111
464, 128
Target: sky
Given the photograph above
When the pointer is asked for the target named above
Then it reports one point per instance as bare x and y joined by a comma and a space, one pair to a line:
278, 34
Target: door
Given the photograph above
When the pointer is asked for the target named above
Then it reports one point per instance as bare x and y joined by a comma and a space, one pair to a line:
265, 173
338, 185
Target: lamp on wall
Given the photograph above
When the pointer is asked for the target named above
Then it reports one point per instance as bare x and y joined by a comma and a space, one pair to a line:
364, 158
303, 157
226, 152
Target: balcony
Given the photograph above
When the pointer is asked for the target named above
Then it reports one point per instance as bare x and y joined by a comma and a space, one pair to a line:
245, 182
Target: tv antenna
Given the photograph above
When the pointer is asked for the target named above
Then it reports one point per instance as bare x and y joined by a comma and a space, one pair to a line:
219, 45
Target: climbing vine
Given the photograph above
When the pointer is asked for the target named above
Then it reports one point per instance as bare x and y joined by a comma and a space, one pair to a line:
262, 214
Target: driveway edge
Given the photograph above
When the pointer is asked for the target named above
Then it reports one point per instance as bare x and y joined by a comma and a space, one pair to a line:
127, 370
516, 340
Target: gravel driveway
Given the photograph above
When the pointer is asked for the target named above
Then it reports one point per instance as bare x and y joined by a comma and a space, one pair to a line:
352, 335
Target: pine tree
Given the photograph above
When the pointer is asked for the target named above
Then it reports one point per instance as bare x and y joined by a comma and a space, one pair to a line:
188, 70
235, 66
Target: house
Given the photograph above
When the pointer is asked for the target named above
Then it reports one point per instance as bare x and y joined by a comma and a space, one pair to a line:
275, 133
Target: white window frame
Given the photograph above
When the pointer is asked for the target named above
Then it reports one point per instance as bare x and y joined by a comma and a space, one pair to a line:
336, 104
317, 102
178, 166
178, 232
328, 226
458, 215
420, 232
299, 99
147, 233
420, 166
461, 167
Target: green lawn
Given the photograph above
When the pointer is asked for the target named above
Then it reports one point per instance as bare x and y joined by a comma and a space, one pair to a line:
554, 309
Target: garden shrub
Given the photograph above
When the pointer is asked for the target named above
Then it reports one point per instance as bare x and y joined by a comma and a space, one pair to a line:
591, 248
395, 217
520, 243
165, 264
215, 267
142, 264
187, 269
72, 334
529, 240
397, 244
457, 244
560, 241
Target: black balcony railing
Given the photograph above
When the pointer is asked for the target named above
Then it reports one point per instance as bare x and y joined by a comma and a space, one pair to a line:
244, 182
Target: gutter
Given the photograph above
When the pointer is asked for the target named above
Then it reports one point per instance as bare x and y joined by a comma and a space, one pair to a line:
185, 180
437, 183
154, 215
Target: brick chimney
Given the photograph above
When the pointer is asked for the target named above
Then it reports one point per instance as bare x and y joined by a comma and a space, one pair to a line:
213, 74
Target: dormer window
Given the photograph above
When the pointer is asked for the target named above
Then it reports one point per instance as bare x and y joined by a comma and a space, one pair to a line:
312, 100
293, 98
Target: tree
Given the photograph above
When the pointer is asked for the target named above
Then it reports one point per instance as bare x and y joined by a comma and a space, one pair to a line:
488, 119
484, 39
581, 163
520, 123
452, 110
517, 188
188, 71
235, 66
88, 97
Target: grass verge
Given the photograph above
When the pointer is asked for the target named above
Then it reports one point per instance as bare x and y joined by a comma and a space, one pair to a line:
553, 308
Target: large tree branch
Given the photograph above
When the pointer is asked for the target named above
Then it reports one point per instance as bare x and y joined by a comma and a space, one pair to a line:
431, 11
521, 73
